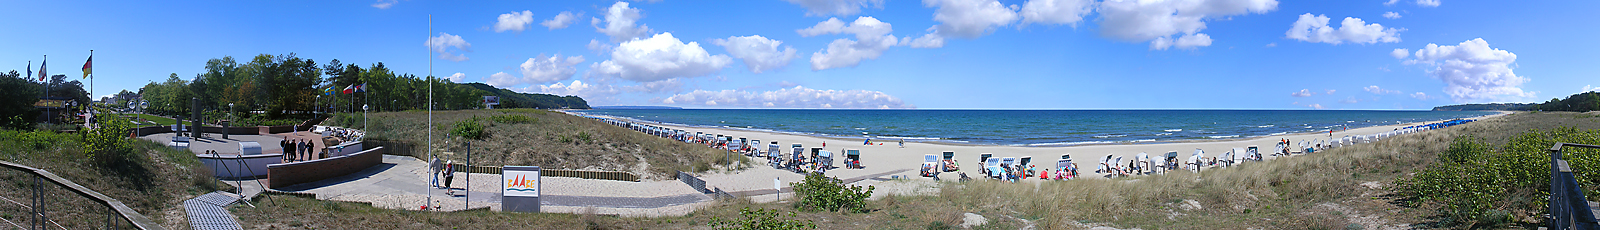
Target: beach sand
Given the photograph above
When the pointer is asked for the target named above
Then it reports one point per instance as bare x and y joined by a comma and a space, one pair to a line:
886, 158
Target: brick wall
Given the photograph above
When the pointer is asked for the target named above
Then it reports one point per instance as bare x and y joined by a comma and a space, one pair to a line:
282, 175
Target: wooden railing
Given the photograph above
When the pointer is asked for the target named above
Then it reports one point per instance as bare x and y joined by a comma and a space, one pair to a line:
1568, 207
115, 209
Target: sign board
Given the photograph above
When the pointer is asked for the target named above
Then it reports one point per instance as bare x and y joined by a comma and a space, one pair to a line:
491, 100
520, 188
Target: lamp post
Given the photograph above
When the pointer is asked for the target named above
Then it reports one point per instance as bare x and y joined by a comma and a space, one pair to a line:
227, 125
363, 117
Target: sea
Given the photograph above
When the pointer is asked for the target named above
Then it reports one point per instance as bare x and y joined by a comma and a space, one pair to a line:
1034, 127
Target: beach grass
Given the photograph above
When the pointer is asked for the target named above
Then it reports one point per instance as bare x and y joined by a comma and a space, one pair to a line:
549, 139
154, 181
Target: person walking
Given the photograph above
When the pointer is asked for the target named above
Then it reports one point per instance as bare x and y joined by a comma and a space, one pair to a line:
449, 175
434, 166
902, 143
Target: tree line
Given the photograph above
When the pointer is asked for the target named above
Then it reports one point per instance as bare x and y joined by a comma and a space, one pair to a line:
1581, 102
291, 87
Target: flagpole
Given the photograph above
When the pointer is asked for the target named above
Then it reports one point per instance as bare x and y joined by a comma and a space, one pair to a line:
430, 104
91, 84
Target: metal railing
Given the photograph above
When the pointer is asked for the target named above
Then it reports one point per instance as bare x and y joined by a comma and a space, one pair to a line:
1568, 207
114, 208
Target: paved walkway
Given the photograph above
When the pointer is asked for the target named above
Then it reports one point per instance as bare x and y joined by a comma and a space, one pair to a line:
210, 211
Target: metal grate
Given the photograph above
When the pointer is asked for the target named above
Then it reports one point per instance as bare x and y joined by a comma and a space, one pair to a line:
209, 211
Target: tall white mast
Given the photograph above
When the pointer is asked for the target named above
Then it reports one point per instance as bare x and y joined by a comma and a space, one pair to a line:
430, 104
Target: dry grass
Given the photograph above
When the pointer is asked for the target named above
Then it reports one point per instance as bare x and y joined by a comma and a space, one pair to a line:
154, 183
551, 140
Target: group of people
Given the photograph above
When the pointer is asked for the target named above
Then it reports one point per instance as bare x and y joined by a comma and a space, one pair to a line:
297, 149
445, 169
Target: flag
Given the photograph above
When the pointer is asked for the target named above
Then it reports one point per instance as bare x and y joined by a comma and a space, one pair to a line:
86, 64
361, 88
30, 71
42, 72
330, 90
350, 89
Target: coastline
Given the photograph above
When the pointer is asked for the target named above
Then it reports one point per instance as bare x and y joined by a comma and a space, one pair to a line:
886, 159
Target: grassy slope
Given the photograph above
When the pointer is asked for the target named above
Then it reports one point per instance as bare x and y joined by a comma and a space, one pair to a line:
1320, 191
155, 184
551, 140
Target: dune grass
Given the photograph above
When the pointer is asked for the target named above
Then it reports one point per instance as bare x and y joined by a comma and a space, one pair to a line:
154, 181
549, 139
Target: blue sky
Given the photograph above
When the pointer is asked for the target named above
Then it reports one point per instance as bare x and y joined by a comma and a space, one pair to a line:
1009, 54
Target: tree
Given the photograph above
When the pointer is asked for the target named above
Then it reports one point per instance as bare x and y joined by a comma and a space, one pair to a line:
17, 96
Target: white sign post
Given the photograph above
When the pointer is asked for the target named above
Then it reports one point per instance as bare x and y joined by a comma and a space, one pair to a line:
777, 188
520, 188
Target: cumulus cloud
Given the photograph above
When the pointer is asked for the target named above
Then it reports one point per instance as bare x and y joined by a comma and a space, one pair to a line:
1376, 90
1421, 96
1140, 20
1189, 41
835, 7
561, 20
659, 57
514, 21
797, 97
872, 38
1391, 2
1473, 71
548, 69
670, 85
759, 53
970, 18
1056, 12
589, 92
930, 40
598, 47
384, 4
1428, 3
1330, 92
619, 23
457, 77
441, 44
1589, 88
1400, 53
1302, 93
1316, 106
1391, 15
1315, 29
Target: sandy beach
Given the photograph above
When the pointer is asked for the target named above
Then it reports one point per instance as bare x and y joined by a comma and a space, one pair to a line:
885, 157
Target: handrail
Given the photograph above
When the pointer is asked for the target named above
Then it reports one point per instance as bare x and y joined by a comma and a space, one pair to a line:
133, 217
1568, 209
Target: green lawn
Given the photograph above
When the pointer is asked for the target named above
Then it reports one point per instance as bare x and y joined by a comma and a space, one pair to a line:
150, 118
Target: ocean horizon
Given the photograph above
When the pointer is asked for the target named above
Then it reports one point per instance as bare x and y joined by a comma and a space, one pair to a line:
1034, 127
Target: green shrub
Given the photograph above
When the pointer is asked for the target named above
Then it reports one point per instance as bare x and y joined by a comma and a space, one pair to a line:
1476, 185
761, 219
108, 142
469, 128
819, 192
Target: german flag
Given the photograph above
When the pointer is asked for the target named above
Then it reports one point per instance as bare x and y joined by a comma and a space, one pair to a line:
86, 65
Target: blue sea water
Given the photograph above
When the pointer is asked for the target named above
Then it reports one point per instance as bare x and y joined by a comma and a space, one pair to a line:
1035, 127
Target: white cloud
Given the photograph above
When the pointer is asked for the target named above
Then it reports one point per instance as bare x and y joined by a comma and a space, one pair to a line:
1056, 12
457, 77
930, 40
758, 53
1270, 45
1316, 106
598, 47
835, 7
1391, 2
516, 21
872, 38
1376, 90
1589, 88
1315, 29
561, 20
1472, 71
444, 41
1400, 53
549, 69
1302, 93
589, 92
797, 97
659, 57
1421, 96
1330, 92
1391, 15
670, 85
1146, 20
619, 23
1350, 100
1189, 41
384, 4
970, 18
1428, 3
